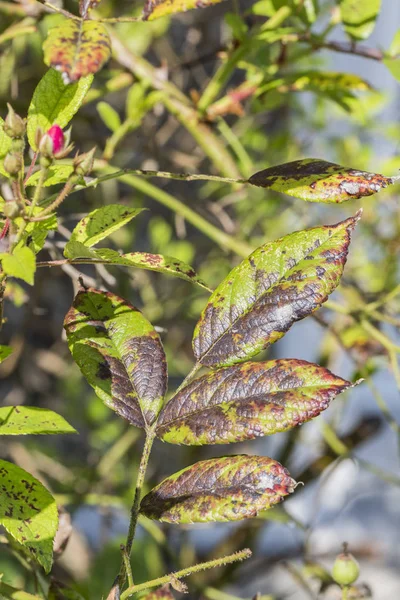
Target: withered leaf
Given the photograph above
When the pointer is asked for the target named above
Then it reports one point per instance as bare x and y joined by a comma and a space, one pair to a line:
229, 488
119, 353
162, 593
77, 48
278, 284
317, 180
153, 9
243, 402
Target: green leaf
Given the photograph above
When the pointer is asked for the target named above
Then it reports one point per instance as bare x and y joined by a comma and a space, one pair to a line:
393, 64
26, 420
5, 145
35, 233
153, 9
359, 17
57, 174
55, 102
77, 48
109, 116
101, 223
79, 253
21, 263
317, 180
119, 353
229, 488
243, 402
278, 284
5, 352
28, 512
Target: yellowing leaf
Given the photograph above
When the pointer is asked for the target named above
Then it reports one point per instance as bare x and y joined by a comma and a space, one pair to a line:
153, 9
77, 49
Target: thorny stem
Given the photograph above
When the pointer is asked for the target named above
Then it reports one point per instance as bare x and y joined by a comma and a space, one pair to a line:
211, 564
38, 190
67, 189
167, 175
31, 166
66, 13
136, 502
127, 563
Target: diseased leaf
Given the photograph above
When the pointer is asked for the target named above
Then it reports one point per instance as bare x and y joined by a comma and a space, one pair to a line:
54, 102
24, 420
79, 253
5, 352
101, 223
85, 6
28, 512
230, 488
57, 174
119, 353
153, 9
359, 17
317, 180
21, 263
77, 48
243, 402
278, 284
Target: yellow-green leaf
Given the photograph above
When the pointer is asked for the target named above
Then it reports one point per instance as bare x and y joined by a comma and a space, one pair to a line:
29, 420
359, 17
77, 49
153, 9
21, 264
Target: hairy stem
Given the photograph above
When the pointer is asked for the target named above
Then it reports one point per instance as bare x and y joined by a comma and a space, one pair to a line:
136, 502
211, 564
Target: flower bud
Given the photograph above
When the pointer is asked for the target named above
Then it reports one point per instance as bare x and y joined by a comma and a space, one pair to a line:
83, 163
56, 135
345, 568
14, 126
11, 209
12, 164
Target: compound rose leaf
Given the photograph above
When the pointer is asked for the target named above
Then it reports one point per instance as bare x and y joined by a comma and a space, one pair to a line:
77, 48
119, 353
153, 9
317, 180
229, 488
239, 403
278, 284
28, 512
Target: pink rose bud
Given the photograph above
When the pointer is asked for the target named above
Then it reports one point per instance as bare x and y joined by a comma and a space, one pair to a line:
57, 137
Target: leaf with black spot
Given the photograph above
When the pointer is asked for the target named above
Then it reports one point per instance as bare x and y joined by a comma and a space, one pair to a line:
28, 512
278, 284
317, 180
77, 48
119, 353
239, 403
229, 488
